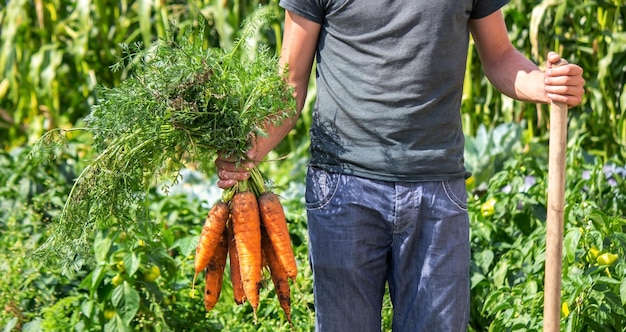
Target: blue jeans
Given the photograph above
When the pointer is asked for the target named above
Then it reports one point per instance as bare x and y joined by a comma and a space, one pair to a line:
414, 236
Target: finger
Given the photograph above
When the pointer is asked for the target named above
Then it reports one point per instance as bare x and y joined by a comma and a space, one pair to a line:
571, 72
554, 60
569, 100
239, 161
564, 81
231, 165
574, 82
569, 94
227, 179
565, 90
225, 184
233, 175
224, 164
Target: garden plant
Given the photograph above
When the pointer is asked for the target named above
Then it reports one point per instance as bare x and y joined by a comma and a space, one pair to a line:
56, 58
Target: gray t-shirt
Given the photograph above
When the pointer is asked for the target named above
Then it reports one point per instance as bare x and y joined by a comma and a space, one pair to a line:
390, 80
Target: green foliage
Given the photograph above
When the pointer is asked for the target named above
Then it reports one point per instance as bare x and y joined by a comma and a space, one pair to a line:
508, 247
120, 291
486, 152
55, 58
589, 33
181, 106
507, 252
30, 196
55, 53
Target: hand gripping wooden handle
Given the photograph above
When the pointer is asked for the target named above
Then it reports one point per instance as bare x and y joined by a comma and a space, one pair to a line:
555, 217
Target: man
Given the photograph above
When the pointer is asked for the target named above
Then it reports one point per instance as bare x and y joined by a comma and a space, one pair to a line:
386, 197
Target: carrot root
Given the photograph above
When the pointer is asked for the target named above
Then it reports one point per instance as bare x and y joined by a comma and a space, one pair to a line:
215, 274
235, 270
274, 220
279, 276
247, 232
210, 236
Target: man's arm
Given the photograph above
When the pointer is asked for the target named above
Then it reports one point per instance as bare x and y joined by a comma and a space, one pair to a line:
516, 76
299, 46
296, 56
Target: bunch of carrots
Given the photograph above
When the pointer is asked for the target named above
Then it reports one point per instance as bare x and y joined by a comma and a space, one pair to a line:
249, 227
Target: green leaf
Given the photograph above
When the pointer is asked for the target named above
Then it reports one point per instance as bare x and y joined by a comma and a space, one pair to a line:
476, 279
126, 300
102, 245
500, 273
600, 220
570, 243
131, 263
622, 292
117, 324
87, 308
484, 260
188, 244
93, 280
492, 299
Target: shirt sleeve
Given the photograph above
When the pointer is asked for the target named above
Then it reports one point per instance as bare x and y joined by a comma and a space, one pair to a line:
483, 8
312, 10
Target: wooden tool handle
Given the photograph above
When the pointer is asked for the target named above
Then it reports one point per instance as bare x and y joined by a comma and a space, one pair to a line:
555, 217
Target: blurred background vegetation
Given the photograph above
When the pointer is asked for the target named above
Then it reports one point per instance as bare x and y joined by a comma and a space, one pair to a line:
56, 53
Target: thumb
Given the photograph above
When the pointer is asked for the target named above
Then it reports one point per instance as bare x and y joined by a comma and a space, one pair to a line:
252, 158
554, 60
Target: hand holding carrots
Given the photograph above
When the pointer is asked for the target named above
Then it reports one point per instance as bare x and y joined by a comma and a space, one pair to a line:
230, 172
233, 169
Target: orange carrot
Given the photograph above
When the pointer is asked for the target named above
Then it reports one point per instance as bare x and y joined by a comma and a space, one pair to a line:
247, 229
235, 271
273, 218
214, 226
215, 273
278, 274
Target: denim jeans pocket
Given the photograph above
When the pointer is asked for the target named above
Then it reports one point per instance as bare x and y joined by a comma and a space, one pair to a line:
456, 192
320, 187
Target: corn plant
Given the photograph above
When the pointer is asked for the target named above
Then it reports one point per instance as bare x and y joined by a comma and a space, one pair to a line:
55, 53
589, 33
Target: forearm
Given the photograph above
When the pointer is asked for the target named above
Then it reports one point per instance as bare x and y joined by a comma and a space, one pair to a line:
274, 134
517, 77
299, 45
276, 130
296, 57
